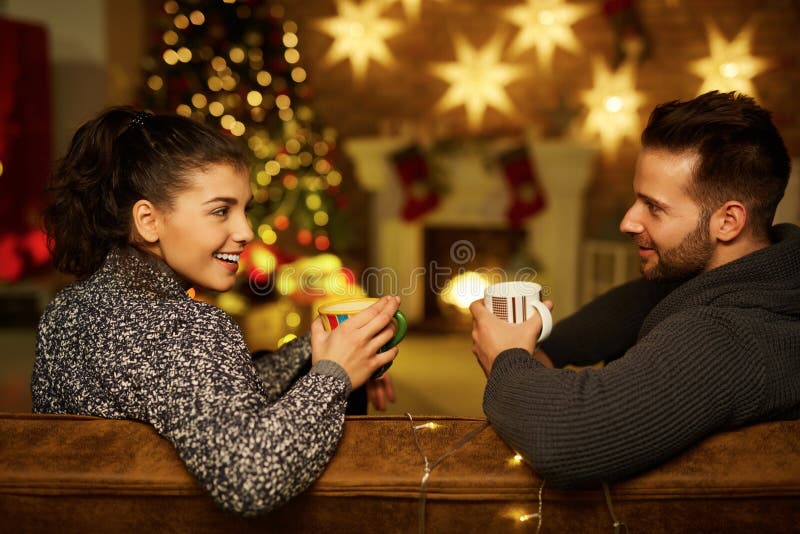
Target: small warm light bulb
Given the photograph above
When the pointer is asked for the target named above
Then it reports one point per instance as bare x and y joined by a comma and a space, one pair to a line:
528, 517
729, 70
429, 425
546, 18
288, 337
614, 104
356, 29
517, 457
293, 319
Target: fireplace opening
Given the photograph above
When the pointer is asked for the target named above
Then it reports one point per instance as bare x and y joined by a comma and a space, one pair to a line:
459, 263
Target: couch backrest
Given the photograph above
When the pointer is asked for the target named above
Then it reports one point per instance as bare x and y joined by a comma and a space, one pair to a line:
74, 473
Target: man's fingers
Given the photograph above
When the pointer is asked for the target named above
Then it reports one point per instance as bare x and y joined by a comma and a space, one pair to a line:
477, 308
388, 386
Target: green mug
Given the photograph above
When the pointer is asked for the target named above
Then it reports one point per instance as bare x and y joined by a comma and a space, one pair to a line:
336, 313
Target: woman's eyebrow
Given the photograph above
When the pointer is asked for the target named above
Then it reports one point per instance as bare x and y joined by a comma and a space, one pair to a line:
227, 200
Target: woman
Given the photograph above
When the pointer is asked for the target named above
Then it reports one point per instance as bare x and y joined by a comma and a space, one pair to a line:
145, 207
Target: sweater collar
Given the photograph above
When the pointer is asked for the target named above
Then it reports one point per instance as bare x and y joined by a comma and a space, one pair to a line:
143, 272
766, 275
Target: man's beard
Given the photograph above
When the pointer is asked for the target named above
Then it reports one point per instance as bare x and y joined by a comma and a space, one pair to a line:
689, 258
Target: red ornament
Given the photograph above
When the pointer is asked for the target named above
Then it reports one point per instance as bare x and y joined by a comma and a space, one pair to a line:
322, 242
304, 237
35, 244
11, 264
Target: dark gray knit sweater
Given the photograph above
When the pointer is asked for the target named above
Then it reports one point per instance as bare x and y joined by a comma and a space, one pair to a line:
129, 343
718, 351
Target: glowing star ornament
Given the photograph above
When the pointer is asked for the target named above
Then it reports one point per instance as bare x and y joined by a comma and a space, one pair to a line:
410, 7
359, 34
729, 66
545, 25
612, 105
477, 79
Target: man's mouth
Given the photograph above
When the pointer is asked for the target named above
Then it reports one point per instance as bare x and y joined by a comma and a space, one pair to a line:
230, 258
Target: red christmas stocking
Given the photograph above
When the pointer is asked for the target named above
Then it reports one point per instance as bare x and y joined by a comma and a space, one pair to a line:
419, 195
527, 196
631, 40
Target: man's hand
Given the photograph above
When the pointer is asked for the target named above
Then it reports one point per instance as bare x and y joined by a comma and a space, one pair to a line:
379, 391
491, 335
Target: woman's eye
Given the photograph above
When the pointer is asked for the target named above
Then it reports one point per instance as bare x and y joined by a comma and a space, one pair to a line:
220, 211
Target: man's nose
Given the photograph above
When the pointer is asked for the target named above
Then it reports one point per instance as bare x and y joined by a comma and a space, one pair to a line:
630, 222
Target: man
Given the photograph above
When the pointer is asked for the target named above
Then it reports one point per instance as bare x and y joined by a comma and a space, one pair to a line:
708, 339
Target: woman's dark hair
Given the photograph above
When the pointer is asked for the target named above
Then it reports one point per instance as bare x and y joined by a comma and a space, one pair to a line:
741, 154
114, 160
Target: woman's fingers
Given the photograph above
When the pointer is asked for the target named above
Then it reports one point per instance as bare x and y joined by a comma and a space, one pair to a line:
363, 318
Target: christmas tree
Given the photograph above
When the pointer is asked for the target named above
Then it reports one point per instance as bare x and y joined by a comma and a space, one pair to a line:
235, 65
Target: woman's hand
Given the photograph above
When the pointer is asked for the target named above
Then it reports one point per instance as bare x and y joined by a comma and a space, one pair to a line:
354, 344
379, 391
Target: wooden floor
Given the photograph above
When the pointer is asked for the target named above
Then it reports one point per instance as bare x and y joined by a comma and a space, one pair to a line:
437, 375
432, 375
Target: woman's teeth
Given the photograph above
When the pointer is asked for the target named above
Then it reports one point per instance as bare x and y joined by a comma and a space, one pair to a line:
232, 258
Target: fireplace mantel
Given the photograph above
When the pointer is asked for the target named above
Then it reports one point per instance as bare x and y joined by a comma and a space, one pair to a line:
477, 197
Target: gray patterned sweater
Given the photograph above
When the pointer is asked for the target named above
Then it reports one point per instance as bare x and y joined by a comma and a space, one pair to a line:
129, 343
719, 351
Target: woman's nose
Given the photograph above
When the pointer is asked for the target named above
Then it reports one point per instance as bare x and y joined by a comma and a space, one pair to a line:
243, 232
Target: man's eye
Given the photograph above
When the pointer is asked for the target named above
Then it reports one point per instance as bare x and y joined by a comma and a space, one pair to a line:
652, 207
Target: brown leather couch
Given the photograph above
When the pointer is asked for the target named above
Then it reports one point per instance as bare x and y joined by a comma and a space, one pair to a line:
83, 474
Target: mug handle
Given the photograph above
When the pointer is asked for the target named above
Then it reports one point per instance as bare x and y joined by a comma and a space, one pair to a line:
402, 327
547, 319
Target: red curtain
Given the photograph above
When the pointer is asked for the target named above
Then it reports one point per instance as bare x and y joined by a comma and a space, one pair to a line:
25, 137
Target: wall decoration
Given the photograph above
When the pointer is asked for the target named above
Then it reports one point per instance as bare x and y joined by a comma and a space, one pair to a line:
411, 8
631, 39
477, 79
545, 25
729, 66
359, 34
612, 105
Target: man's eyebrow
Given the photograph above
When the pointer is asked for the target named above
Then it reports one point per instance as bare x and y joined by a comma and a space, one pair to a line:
651, 200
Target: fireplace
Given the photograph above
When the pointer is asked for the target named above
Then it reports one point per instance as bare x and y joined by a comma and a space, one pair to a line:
460, 261
474, 211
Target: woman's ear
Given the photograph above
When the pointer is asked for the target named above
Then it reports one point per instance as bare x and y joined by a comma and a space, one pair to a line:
145, 220
729, 221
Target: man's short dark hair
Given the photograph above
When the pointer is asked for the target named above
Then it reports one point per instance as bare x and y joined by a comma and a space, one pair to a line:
741, 154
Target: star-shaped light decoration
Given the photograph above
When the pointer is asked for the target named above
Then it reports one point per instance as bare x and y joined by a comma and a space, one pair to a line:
410, 7
359, 34
546, 24
477, 79
729, 66
612, 105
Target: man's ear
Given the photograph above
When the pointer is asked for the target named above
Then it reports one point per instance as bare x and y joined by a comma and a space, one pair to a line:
728, 222
146, 220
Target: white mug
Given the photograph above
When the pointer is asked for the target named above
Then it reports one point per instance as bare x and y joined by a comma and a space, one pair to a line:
514, 302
